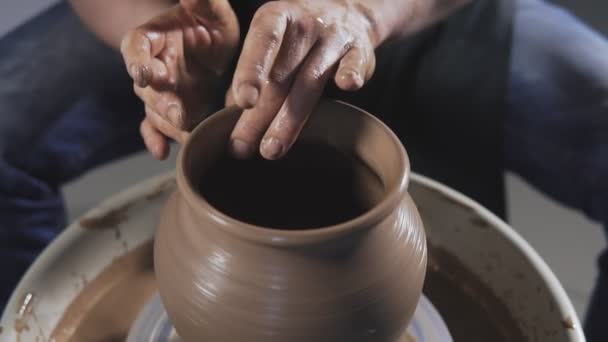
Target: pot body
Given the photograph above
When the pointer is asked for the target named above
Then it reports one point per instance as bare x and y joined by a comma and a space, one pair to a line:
360, 287
225, 280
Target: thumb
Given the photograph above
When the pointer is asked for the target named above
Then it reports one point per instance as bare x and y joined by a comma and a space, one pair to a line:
205, 10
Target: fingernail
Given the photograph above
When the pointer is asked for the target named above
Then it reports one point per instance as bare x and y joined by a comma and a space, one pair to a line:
241, 149
175, 116
140, 75
352, 76
157, 151
271, 148
248, 95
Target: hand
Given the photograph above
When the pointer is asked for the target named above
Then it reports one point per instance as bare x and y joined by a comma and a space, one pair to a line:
291, 50
175, 61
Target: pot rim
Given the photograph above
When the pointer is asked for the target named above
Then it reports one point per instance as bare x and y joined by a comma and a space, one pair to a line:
294, 237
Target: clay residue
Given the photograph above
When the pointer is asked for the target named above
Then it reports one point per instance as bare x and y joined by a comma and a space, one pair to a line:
82, 278
480, 223
115, 217
568, 323
406, 337
470, 309
24, 311
109, 220
108, 305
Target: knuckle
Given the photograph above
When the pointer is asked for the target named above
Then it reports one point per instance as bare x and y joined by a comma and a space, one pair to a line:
272, 36
304, 26
270, 18
313, 75
279, 75
251, 74
272, 8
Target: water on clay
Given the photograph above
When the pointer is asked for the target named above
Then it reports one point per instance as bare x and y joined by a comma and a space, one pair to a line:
107, 307
109, 304
313, 186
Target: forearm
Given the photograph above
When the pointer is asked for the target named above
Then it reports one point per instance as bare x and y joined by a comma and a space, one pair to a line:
391, 18
111, 19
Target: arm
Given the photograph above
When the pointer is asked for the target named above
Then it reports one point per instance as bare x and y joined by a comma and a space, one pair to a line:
398, 17
110, 20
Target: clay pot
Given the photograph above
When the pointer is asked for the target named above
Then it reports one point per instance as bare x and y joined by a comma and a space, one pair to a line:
223, 279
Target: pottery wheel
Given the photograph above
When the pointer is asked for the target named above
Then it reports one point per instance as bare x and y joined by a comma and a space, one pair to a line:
58, 283
153, 325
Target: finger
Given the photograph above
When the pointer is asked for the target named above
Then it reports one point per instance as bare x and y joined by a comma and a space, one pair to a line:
355, 69
229, 100
160, 75
260, 48
155, 142
252, 124
299, 38
196, 36
166, 104
301, 100
138, 48
205, 10
161, 125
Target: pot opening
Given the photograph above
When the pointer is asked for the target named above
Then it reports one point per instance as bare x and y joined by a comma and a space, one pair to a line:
346, 171
315, 185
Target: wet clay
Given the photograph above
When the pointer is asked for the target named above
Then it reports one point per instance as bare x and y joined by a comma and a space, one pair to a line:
313, 186
470, 309
324, 245
108, 305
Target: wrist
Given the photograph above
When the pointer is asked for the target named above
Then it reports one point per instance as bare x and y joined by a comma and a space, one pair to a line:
394, 18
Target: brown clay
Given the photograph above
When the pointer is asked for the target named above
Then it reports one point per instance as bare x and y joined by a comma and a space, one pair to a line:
355, 274
472, 312
107, 306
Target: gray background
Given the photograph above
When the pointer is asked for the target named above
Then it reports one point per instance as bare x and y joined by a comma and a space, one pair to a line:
567, 241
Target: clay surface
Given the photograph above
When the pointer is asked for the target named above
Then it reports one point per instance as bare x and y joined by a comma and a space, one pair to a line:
108, 305
471, 311
325, 245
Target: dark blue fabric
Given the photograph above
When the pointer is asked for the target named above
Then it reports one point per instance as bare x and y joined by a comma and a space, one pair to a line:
67, 106
556, 132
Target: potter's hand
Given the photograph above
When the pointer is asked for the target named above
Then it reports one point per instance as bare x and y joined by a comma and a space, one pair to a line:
175, 60
294, 47
291, 50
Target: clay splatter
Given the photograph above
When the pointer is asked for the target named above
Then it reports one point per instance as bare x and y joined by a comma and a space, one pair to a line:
567, 323
480, 223
23, 312
82, 279
110, 220
407, 338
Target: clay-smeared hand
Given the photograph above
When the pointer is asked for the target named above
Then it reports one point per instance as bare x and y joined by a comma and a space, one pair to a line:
292, 49
175, 61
